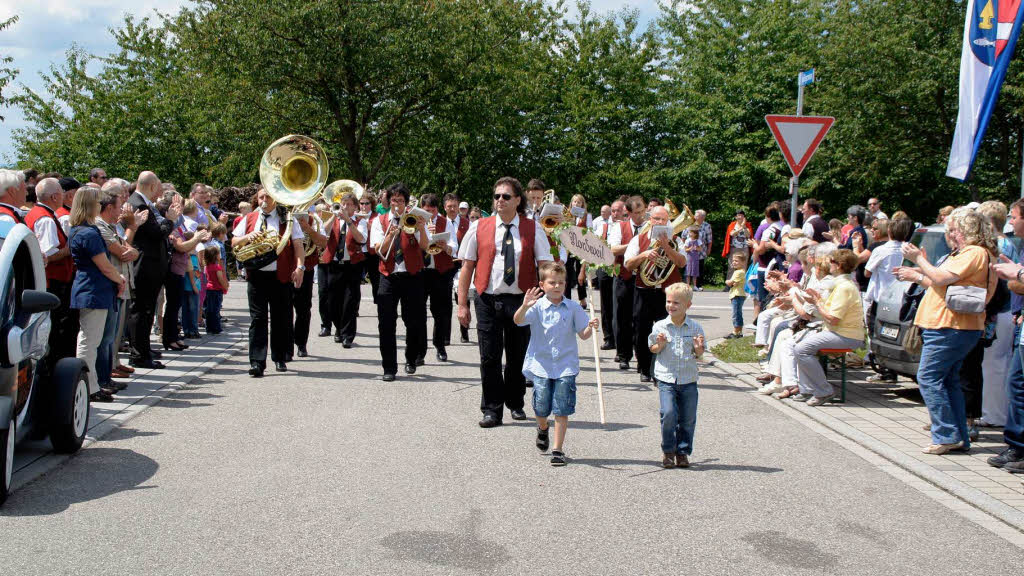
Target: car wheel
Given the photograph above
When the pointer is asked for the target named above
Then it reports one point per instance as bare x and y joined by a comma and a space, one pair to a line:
6, 460
71, 409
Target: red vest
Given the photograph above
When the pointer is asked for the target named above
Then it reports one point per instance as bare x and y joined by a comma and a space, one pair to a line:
286, 259
62, 270
355, 249
8, 212
486, 251
442, 262
675, 276
411, 250
63, 211
626, 226
463, 227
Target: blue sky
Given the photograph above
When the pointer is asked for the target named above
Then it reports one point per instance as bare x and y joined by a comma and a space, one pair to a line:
47, 28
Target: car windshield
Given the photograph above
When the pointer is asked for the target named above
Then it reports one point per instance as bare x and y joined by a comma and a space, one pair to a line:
932, 241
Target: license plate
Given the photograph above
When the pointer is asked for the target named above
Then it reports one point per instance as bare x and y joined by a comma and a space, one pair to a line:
890, 331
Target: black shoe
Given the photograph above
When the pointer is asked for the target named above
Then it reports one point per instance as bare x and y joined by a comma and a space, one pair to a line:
490, 421
302, 352
338, 338
118, 386
623, 365
607, 346
410, 368
442, 356
618, 358
255, 370
420, 361
1007, 456
101, 396
557, 458
157, 354
518, 414
542, 440
280, 367
151, 365
388, 378
346, 344
324, 332
645, 378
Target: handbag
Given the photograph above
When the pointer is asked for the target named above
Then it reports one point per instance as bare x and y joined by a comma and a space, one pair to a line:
912, 341
968, 299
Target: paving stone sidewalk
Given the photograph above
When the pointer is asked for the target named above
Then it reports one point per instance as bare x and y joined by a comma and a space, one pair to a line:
147, 387
889, 418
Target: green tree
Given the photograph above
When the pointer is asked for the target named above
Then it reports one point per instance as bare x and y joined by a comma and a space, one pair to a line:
7, 72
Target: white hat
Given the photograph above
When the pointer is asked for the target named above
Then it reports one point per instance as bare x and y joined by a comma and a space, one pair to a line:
464, 205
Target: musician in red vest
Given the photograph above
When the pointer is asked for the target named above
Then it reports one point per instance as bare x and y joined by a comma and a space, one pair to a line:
303, 294
343, 260
60, 269
604, 282
461, 225
12, 195
518, 244
437, 272
70, 186
619, 238
401, 261
271, 287
649, 301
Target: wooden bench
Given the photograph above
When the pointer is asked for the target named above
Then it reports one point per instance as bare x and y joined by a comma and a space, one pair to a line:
824, 354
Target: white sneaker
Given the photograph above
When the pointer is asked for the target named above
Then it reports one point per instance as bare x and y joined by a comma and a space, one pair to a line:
770, 388
819, 400
763, 353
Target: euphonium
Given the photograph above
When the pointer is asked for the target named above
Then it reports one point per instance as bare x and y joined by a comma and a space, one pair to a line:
655, 273
293, 171
262, 243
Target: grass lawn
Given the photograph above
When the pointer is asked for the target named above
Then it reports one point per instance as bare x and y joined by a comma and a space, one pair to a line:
737, 350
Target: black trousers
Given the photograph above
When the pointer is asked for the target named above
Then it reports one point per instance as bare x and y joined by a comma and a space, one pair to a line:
623, 309
345, 280
407, 290
63, 339
372, 265
303, 303
174, 290
439, 292
606, 287
323, 287
141, 316
972, 380
266, 294
648, 308
572, 272
498, 333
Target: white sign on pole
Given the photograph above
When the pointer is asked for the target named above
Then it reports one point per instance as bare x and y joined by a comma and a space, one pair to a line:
587, 246
798, 137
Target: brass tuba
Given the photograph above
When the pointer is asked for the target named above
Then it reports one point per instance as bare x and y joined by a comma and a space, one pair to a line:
293, 171
336, 190
654, 274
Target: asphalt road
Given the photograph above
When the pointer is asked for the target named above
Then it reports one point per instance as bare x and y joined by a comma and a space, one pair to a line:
328, 470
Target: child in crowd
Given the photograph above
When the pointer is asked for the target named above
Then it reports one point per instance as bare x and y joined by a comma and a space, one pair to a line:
678, 343
737, 295
216, 287
190, 298
692, 247
552, 359
475, 214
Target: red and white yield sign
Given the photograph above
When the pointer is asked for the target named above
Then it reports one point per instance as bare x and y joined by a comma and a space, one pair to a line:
798, 137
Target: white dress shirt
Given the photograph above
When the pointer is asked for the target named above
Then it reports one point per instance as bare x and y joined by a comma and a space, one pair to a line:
808, 227
46, 233
342, 245
272, 221
615, 232
496, 284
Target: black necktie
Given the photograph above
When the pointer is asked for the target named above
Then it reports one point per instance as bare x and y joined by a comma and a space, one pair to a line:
635, 228
342, 243
508, 250
263, 222
399, 257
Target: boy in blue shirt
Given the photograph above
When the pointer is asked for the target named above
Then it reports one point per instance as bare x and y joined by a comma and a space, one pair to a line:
677, 342
552, 358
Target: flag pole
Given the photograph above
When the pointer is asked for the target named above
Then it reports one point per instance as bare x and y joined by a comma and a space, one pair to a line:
597, 358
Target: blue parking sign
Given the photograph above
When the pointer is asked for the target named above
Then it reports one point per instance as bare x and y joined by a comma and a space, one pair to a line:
807, 77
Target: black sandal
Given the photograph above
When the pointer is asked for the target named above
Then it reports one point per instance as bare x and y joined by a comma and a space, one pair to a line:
101, 396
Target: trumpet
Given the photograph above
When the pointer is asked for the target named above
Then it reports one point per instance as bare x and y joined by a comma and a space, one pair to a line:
550, 221
654, 274
435, 248
412, 216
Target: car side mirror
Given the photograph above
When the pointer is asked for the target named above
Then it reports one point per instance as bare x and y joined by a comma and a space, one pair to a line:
33, 301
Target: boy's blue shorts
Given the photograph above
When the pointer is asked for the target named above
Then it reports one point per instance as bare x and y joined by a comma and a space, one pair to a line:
554, 395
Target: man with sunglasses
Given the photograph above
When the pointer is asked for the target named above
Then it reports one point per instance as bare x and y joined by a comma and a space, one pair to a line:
401, 261
98, 176
500, 256
619, 238
875, 209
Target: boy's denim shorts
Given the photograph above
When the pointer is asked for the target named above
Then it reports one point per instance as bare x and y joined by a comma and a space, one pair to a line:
554, 395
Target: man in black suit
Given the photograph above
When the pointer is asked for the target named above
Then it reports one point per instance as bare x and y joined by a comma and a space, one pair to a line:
152, 267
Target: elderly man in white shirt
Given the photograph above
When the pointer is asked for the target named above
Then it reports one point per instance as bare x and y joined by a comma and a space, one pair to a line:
12, 195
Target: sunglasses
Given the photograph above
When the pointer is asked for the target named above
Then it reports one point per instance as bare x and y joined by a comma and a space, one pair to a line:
502, 196
364, 203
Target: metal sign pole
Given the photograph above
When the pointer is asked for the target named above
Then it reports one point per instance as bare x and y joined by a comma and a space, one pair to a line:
794, 182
